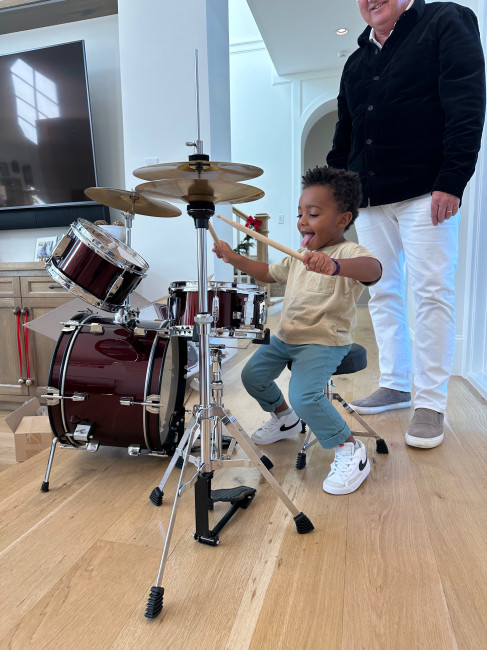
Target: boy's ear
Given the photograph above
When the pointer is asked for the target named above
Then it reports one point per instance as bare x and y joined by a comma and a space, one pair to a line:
344, 219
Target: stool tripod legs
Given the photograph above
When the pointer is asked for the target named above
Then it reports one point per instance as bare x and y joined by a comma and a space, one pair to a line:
381, 445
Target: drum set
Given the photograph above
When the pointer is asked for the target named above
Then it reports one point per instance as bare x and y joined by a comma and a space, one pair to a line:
117, 380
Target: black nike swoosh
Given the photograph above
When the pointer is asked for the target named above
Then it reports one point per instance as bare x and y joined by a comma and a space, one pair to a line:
284, 428
361, 465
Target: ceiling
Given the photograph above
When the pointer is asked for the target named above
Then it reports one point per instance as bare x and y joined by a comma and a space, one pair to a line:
300, 36
19, 15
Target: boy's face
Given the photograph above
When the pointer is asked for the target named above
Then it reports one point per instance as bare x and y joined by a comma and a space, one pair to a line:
320, 221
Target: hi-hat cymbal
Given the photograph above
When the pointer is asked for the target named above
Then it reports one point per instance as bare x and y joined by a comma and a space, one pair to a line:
190, 190
195, 169
131, 202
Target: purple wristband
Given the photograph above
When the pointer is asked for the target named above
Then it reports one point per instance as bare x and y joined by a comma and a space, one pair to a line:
338, 267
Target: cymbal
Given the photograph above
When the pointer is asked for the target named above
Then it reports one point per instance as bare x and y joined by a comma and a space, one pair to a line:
211, 171
190, 190
131, 202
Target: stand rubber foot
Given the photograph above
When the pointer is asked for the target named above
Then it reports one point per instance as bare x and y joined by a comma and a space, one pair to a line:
303, 524
267, 462
381, 446
156, 496
154, 604
301, 460
45, 486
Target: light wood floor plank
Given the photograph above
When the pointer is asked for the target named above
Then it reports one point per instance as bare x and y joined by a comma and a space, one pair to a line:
453, 493
392, 577
60, 540
401, 563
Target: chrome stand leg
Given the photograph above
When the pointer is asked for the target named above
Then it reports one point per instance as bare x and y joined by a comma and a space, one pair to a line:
45, 483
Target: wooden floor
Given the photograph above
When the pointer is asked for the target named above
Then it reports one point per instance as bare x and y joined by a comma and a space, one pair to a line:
401, 563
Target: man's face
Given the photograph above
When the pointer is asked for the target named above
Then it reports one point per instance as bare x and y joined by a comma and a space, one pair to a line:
382, 14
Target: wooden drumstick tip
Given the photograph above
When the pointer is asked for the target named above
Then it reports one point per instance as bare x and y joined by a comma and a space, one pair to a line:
262, 238
213, 234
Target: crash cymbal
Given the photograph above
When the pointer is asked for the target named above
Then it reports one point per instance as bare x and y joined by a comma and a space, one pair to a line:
190, 190
194, 169
131, 202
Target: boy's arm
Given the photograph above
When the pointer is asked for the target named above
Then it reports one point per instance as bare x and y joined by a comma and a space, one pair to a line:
257, 270
364, 269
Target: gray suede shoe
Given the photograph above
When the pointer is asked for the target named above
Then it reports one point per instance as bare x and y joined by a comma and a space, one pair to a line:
383, 399
425, 429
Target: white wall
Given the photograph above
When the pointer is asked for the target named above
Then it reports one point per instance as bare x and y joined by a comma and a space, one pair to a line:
157, 44
102, 59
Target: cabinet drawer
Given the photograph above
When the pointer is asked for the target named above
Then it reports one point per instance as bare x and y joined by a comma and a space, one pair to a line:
9, 287
41, 287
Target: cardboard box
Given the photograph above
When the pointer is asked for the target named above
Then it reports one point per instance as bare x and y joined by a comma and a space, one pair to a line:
31, 407
32, 431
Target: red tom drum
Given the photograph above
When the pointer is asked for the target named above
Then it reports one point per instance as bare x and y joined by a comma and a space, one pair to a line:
233, 306
96, 266
122, 386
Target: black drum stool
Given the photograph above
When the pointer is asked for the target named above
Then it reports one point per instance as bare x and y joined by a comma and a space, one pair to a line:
354, 361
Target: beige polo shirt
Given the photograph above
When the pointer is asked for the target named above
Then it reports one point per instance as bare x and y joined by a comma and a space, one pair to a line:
318, 308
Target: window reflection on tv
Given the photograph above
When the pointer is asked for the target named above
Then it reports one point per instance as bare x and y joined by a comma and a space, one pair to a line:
46, 144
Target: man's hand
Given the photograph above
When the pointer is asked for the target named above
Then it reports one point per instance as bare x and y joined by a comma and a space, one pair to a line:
443, 206
319, 263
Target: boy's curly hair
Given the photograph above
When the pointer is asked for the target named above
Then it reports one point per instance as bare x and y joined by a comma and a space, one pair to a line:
345, 186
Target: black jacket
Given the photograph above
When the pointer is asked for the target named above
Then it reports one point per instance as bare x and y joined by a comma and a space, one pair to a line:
410, 116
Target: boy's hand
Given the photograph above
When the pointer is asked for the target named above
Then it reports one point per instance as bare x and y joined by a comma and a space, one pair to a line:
319, 263
223, 252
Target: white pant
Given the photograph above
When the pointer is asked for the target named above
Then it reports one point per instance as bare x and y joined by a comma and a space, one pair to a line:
403, 238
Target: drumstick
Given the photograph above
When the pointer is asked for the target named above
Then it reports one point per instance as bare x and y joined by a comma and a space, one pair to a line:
213, 234
262, 238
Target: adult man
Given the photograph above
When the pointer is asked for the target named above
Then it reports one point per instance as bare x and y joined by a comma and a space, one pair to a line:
410, 116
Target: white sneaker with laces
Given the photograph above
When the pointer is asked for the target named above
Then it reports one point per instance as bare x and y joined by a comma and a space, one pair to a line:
277, 428
349, 469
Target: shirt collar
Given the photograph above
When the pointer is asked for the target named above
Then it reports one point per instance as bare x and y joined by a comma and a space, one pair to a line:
372, 31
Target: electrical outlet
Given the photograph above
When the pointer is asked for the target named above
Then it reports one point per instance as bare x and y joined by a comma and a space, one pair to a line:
280, 218
151, 161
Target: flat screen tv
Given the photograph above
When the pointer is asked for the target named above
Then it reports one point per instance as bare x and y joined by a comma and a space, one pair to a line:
46, 140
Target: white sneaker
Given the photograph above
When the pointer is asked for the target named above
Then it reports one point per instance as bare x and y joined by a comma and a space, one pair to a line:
277, 429
349, 469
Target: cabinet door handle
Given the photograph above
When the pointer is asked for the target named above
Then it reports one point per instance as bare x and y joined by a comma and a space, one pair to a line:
56, 286
17, 312
25, 319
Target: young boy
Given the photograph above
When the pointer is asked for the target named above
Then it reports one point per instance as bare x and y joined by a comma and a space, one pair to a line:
314, 332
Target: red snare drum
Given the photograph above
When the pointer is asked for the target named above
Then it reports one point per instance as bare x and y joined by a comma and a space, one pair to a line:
126, 385
233, 306
96, 266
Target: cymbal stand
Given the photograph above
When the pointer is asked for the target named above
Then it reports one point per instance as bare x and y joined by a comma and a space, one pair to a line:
183, 449
126, 314
208, 417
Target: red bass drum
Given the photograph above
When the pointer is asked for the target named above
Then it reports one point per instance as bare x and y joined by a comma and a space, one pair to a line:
123, 385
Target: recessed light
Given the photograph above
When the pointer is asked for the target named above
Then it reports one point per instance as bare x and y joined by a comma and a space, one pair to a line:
342, 31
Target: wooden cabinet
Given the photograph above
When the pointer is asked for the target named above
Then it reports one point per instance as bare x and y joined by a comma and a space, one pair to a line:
27, 291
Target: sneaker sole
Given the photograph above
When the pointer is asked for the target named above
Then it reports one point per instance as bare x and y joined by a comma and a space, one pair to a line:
370, 410
424, 443
350, 488
270, 441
